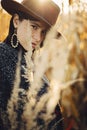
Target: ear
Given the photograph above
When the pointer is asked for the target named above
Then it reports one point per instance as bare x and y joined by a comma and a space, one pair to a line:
16, 20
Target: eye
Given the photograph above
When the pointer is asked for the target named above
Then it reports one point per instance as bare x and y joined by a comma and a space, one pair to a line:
44, 32
35, 27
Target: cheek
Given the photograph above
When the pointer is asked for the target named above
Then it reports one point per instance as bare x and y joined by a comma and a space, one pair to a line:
24, 34
24, 31
20, 34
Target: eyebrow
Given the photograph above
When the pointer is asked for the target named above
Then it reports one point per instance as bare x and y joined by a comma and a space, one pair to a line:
35, 22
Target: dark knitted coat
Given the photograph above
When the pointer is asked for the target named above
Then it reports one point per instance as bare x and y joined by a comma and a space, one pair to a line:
8, 62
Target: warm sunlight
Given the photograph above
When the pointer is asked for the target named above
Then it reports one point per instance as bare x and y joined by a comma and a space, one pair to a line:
19, 0
63, 4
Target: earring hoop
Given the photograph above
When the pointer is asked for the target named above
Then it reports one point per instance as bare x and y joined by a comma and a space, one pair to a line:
14, 40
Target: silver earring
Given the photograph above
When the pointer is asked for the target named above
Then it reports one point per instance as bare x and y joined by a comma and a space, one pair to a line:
14, 40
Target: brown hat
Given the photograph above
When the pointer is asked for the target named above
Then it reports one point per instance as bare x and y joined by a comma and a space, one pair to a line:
44, 10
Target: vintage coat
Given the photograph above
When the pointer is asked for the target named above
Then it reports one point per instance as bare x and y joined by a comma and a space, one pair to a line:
8, 62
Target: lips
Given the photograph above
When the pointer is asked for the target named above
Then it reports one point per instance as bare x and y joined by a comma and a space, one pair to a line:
33, 45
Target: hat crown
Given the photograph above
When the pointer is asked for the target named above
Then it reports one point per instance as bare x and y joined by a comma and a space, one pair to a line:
45, 10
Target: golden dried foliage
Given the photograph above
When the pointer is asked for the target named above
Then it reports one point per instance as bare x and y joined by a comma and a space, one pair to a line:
4, 24
74, 28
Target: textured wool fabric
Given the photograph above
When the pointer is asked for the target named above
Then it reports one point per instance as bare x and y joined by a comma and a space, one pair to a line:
8, 62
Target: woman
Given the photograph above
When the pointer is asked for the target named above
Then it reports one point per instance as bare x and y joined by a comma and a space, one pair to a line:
30, 21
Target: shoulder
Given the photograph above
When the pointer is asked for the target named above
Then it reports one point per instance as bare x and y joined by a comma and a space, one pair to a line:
3, 48
6, 50
1, 44
3, 53
7, 54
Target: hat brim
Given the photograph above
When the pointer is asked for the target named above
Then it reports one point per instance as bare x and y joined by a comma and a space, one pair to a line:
13, 7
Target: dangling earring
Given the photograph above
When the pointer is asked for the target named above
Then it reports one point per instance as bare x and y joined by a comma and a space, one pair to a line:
14, 40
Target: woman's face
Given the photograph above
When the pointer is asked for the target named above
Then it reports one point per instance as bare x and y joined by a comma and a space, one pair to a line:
38, 30
30, 32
